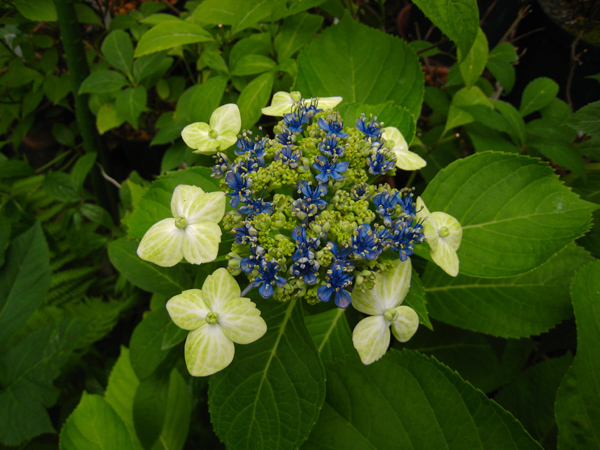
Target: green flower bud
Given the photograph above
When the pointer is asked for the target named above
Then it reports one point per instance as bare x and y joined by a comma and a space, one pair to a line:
212, 318
390, 315
181, 223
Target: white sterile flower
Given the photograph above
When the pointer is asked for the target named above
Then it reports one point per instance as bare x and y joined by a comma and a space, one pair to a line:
193, 233
405, 159
218, 135
443, 233
217, 316
283, 102
371, 336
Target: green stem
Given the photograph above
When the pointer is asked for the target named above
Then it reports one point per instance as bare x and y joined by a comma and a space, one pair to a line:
79, 70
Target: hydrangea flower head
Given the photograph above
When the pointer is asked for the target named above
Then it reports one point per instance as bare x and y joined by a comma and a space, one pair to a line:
443, 233
371, 336
192, 233
219, 134
217, 317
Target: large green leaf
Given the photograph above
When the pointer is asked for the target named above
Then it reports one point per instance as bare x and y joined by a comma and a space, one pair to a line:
94, 425
407, 400
578, 398
271, 394
530, 397
156, 202
361, 64
515, 307
254, 97
514, 211
24, 281
29, 368
296, 31
458, 19
144, 274
331, 334
390, 114
149, 413
168, 35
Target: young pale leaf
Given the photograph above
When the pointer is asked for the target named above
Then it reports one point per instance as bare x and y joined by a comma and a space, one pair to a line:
275, 386
577, 405
94, 424
537, 94
513, 229
168, 35
144, 274
530, 397
295, 33
118, 50
390, 404
108, 117
254, 97
514, 307
341, 62
24, 281
458, 19
473, 63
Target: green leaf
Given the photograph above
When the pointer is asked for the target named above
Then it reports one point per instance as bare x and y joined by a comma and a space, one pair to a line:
530, 397
168, 35
514, 307
57, 88
275, 386
14, 168
578, 397
255, 96
146, 275
392, 115
198, 104
94, 425
80, 170
458, 19
484, 139
589, 189
499, 64
156, 202
59, 186
407, 400
108, 117
249, 13
296, 31
587, 119
148, 408
29, 368
37, 10
255, 44
252, 65
516, 128
484, 361
563, 153
457, 115
331, 334
537, 94
118, 50
514, 211
63, 134
146, 349
341, 62
97, 214
102, 82
416, 299
24, 281
87, 15
130, 103
473, 63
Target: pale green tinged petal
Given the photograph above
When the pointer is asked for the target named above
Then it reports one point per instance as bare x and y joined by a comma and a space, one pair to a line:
393, 285
184, 197
188, 309
453, 229
445, 257
366, 302
196, 136
371, 338
241, 322
281, 104
207, 350
430, 228
162, 244
227, 139
326, 103
405, 324
209, 207
201, 243
394, 139
226, 119
409, 161
219, 288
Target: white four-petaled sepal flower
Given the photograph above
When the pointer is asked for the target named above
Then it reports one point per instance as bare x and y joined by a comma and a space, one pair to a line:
405, 159
283, 102
193, 233
443, 233
371, 336
217, 317
218, 135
